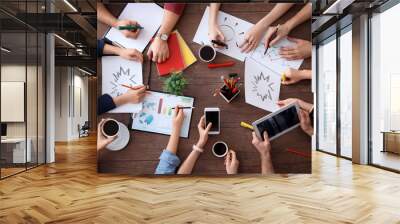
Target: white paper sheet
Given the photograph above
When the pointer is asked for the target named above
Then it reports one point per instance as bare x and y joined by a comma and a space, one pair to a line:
157, 113
148, 15
117, 71
272, 59
233, 29
262, 85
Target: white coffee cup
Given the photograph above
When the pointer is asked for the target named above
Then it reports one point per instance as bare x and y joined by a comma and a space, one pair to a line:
220, 149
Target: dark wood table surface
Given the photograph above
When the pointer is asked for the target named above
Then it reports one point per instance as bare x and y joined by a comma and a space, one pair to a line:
142, 153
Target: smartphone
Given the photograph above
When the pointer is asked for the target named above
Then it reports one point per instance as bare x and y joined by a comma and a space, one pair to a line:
212, 115
278, 123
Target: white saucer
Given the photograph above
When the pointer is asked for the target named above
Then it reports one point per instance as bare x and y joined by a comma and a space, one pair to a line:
122, 139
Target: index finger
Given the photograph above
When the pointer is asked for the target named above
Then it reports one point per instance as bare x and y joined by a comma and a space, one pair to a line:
233, 154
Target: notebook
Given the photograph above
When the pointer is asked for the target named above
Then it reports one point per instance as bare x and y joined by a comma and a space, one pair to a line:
187, 54
175, 61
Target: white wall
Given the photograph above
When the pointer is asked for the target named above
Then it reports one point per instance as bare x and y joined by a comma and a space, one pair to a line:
69, 82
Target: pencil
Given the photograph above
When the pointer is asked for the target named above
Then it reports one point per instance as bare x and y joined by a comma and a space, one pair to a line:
184, 108
131, 87
219, 43
276, 30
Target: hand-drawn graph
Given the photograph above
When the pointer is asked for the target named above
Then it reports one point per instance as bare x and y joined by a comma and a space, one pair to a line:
117, 71
233, 28
122, 77
262, 86
158, 112
272, 59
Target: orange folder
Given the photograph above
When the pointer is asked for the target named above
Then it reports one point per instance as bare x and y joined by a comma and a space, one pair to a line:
175, 61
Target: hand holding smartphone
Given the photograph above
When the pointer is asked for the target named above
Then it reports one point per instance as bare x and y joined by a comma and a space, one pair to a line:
212, 115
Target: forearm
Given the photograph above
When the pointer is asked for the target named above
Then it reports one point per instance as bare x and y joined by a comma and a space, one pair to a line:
188, 164
172, 145
214, 8
104, 16
169, 21
306, 74
110, 49
266, 164
300, 17
276, 12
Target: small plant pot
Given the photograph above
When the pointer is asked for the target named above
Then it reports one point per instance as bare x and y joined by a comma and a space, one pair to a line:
227, 94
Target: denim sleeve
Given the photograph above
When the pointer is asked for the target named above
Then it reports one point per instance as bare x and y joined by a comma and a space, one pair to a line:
168, 163
105, 103
100, 46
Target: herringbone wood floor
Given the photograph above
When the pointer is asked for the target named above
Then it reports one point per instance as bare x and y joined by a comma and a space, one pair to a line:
71, 191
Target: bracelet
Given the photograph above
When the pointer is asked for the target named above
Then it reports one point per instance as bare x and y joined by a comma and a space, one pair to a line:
196, 148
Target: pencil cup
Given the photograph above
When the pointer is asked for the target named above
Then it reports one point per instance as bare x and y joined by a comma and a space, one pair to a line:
227, 94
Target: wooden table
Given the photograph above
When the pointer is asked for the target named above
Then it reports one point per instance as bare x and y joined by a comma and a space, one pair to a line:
141, 155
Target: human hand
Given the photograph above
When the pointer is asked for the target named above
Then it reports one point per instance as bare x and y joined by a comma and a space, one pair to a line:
128, 33
303, 105
275, 34
252, 38
158, 50
305, 122
102, 141
231, 163
131, 96
177, 120
203, 132
293, 76
130, 54
214, 33
301, 50
263, 147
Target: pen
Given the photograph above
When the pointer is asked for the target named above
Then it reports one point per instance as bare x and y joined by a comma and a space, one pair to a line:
246, 125
219, 65
130, 27
184, 108
219, 43
272, 37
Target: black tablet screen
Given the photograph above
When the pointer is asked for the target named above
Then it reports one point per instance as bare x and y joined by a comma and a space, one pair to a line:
279, 122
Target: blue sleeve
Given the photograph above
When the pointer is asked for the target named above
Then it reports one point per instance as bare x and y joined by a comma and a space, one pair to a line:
105, 103
100, 46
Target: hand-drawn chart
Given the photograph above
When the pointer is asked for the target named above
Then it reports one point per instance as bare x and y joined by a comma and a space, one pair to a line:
272, 59
117, 72
158, 112
262, 86
233, 28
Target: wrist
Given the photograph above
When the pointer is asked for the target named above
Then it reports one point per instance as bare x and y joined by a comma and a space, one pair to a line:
289, 25
264, 23
265, 155
119, 100
200, 144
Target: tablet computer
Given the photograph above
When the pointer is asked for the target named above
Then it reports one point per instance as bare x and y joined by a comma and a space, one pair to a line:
278, 122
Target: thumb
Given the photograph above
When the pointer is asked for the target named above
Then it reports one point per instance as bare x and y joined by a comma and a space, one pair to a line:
208, 127
275, 40
265, 136
221, 36
150, 54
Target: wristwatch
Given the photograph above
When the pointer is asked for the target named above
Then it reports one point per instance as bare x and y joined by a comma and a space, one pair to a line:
162, 36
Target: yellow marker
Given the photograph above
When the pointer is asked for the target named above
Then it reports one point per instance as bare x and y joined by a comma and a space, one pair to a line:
283, 77
246, 125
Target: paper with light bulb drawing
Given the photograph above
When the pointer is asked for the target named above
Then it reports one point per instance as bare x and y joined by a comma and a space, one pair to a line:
262, 85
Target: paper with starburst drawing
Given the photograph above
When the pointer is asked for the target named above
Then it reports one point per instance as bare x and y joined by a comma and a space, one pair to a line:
262, 85
117, 71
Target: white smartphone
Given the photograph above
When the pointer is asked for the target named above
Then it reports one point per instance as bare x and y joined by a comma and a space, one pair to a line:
212, 115
278, 122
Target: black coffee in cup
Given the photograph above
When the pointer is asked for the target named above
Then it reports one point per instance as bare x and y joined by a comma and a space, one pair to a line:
207, 53
220, 149
110, 128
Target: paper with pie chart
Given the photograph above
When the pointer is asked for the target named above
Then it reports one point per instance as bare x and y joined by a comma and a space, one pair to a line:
272, 59
233, 28
158, 112
262, 85
117, 71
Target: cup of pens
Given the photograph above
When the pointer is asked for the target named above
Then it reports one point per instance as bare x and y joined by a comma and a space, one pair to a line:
230, 89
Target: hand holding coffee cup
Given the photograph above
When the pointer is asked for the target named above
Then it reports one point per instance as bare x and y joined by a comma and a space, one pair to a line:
102, 139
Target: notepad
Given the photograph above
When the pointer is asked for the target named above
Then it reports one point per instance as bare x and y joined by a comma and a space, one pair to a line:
187, 54
148, 15
175, 61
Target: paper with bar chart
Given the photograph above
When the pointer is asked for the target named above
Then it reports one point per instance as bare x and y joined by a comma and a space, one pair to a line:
157, 113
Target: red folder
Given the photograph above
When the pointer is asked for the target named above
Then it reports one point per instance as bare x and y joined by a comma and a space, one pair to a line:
175, 61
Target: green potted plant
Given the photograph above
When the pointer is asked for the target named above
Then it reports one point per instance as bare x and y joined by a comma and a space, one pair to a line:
175, 83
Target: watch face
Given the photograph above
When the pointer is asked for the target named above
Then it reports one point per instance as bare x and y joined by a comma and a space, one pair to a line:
164, 36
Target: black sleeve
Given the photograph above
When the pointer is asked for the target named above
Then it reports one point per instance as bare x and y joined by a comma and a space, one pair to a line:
100, 46
105, 103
